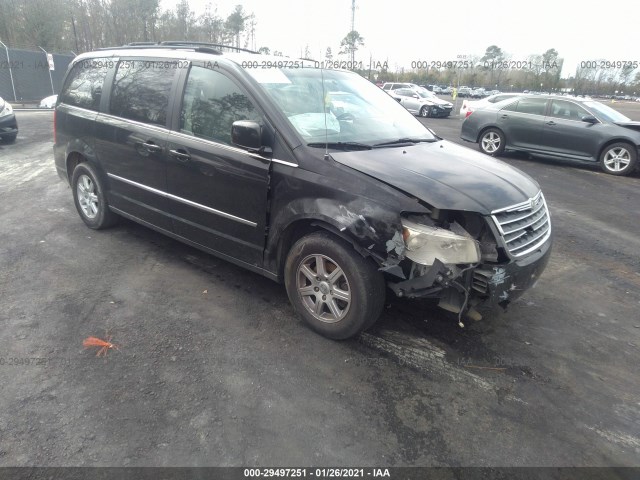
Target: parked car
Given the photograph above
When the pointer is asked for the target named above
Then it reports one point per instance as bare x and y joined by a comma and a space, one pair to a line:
478, 93
252, 165
446, 90
48, 102
395, 85
464, 92
422, 102
8, 122
556, 126
470, 106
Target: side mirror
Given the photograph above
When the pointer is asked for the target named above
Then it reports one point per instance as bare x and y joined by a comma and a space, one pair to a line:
589, 119
246, 134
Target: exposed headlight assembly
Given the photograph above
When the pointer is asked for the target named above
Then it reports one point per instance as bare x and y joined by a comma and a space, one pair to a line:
425, 243
5, 108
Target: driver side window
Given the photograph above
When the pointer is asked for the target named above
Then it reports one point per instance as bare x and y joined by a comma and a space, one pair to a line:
210, 105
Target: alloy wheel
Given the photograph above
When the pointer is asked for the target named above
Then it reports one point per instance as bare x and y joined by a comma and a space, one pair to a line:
323, 288
491, 142
617, 159
87, 196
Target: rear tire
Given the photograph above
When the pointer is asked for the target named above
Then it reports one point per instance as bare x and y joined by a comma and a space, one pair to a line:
336, 291
492, 142
89, 197
619, 159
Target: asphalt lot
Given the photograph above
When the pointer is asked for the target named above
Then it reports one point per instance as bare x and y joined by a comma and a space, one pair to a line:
215, 369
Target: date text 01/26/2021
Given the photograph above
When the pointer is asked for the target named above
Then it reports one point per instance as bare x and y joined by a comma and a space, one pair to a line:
316, 472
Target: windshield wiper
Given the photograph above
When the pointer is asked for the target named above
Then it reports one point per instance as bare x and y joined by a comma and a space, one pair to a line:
343, 145
405, 140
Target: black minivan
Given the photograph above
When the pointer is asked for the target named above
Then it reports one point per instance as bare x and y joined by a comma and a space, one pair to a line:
310, 176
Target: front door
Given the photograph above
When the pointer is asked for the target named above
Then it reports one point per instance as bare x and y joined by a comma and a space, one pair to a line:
566, 133
217, 191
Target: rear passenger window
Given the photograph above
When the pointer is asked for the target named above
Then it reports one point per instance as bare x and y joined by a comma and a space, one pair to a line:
141, 90
84, 84
211, 103
533, 106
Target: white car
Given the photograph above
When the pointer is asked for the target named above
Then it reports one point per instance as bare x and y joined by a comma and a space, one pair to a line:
469, 106
422, 102
49, 102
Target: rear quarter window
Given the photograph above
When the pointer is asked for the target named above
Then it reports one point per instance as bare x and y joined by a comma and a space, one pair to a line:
532, 106
141, 90
83, 87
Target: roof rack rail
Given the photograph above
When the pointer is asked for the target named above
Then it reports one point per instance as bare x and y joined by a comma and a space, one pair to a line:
204, 47
187, 43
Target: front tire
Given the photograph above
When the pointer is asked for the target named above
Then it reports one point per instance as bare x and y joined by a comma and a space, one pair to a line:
425, 111
89, 198
492, 142
618, 159
10, 138
336, 291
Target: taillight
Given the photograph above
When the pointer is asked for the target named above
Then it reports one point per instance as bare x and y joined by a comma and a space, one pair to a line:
469, 112
55, 138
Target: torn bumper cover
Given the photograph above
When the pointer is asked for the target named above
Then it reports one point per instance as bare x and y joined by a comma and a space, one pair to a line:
482, 284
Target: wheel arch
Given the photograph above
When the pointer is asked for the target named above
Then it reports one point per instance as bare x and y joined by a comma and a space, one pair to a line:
73, 160
488, 127
610, 142
301, 227
78, 153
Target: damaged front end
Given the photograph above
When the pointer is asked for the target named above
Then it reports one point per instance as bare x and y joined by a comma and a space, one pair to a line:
466, 260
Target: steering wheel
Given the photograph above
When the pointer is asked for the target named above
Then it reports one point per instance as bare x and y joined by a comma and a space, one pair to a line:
345, 117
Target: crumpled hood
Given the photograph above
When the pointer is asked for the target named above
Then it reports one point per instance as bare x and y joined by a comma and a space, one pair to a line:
445, 175
437, 101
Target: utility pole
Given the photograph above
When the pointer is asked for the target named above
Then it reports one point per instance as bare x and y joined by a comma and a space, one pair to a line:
353, 15
353, 27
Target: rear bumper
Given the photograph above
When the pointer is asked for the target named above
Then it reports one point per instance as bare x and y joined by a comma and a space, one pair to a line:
59, 159
467, 133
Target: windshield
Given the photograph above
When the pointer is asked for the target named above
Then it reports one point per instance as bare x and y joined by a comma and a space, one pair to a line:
346, 108
607, 113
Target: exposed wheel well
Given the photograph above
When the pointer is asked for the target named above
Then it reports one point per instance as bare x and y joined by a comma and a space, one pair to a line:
299, 229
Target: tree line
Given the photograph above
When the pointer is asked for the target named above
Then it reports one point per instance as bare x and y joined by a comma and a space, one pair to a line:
497, 69
84, 25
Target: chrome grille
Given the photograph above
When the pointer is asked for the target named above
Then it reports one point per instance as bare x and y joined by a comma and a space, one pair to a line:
524, 227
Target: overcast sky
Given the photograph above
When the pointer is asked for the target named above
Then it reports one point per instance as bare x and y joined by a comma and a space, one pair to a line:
414, 30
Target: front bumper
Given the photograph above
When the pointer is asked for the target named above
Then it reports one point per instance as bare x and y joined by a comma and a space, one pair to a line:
440, 112
488, 285
506, 283
8, 125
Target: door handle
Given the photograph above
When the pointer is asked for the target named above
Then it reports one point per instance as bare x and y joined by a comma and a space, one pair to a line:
551, 122
180, 155
152, 147
504, 116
